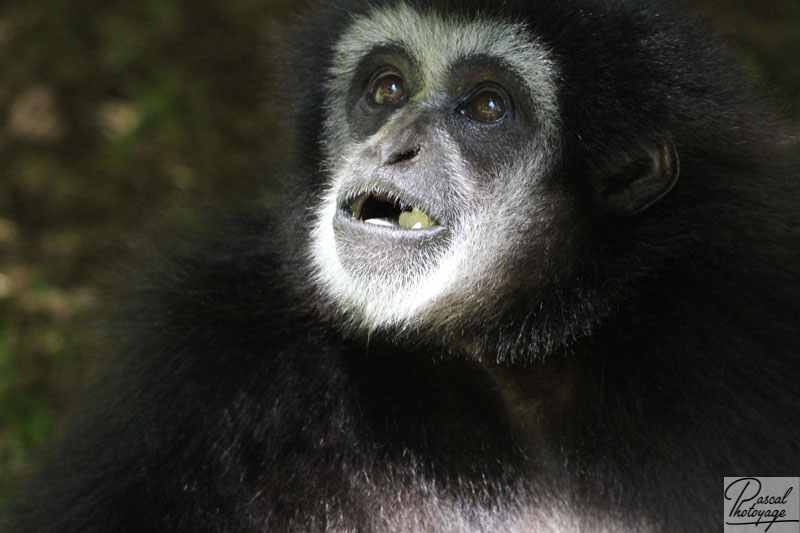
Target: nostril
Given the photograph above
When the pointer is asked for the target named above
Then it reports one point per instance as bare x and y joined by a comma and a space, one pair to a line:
399, 157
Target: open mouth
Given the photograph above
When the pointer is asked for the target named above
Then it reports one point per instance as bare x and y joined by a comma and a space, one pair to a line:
383, 210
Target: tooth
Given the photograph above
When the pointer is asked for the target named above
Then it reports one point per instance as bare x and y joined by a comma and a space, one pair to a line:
414, 219
355, 206
378, 222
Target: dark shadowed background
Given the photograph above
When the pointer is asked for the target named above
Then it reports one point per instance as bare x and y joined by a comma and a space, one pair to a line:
116, 114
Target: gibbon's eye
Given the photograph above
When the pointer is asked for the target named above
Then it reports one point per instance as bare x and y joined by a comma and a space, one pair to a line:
387, 89
485, 106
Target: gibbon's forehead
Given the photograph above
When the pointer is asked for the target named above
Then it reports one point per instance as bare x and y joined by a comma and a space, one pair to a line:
435, 43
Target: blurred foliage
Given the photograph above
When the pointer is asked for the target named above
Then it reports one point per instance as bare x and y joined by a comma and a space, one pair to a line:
114, 114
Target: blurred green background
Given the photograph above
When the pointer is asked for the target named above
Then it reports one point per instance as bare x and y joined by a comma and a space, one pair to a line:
114, 114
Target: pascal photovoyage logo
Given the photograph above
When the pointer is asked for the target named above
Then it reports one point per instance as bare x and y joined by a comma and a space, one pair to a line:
762, 504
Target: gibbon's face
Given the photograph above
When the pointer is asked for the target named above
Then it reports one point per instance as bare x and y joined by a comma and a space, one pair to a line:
439, 135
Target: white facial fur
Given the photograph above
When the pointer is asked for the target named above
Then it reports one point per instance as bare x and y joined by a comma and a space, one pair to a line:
469, 273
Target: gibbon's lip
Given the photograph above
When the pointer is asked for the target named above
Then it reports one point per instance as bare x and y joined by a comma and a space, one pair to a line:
389, 208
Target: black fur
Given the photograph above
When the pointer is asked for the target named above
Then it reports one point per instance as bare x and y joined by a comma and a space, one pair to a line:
665, 355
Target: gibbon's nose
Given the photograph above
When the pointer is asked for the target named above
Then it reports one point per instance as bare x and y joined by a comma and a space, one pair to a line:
404, 140
403, 155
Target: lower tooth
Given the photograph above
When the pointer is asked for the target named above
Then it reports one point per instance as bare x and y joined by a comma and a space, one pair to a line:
414, 219
378, 221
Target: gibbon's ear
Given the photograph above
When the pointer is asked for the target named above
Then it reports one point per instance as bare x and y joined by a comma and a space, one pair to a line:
639, 179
